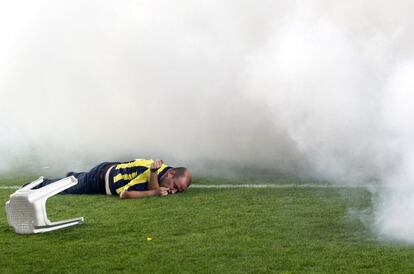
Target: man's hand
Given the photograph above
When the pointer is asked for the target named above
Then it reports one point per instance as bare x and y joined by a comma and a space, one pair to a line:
156, 165
163, 191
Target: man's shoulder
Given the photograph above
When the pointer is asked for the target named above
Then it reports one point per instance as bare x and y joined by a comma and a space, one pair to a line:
145, 163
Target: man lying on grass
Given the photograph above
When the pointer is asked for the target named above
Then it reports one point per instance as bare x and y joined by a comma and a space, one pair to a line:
134, 179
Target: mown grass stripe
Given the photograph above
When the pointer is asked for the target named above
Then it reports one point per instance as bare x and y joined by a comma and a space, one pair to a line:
251, 186
224, 186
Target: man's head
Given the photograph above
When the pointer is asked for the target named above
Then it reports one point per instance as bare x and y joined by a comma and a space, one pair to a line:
176, 179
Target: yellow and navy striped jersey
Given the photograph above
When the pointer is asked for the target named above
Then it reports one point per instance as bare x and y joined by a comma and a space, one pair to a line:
132, 175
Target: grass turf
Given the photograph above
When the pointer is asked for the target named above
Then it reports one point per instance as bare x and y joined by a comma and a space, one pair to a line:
289, 230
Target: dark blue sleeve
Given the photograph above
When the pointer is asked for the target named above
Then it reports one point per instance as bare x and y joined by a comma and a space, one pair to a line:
138, 187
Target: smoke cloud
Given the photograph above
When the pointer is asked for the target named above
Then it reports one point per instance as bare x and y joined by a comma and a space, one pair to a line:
318, 89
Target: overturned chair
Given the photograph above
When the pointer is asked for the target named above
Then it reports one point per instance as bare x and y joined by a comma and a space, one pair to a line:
26, 209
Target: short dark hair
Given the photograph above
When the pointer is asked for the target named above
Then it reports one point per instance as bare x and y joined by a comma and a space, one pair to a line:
180, 172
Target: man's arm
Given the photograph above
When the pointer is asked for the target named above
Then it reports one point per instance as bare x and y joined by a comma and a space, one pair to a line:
162, 191
153, 177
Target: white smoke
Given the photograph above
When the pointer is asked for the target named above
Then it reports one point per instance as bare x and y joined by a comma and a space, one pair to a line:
84, 82
318, 88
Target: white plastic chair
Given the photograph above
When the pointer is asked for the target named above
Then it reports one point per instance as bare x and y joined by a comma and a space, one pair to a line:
26, 209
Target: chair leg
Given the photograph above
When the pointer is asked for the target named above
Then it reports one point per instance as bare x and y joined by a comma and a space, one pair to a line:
58, 225
56, 187
32, 184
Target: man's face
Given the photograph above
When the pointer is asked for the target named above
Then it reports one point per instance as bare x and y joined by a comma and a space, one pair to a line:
175, 184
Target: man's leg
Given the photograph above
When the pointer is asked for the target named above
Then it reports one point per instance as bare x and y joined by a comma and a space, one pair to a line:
71, 173
80, 188
91, 182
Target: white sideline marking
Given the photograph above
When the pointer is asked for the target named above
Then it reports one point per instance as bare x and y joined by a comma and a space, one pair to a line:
9, 187
273, 186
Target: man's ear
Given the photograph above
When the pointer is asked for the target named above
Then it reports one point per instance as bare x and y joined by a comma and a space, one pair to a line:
171, 173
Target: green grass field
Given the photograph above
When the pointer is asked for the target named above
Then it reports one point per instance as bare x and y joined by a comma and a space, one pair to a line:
286, 230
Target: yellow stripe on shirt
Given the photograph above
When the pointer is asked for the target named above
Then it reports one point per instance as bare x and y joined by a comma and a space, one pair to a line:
137, 162
141, 179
